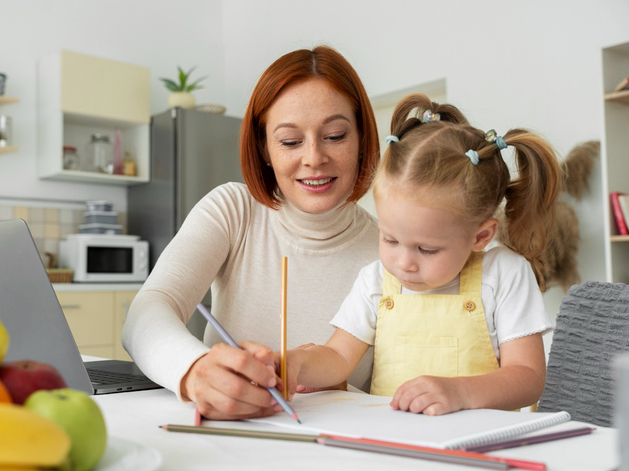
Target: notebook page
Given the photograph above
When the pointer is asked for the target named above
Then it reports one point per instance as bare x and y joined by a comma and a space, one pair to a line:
364, 416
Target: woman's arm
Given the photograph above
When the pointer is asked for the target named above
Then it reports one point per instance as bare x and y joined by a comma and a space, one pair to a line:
519, 382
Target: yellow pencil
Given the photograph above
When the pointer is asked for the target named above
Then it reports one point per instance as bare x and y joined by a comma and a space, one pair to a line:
283, 327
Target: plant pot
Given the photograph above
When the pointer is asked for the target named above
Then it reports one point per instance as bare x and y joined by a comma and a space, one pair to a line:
181, 99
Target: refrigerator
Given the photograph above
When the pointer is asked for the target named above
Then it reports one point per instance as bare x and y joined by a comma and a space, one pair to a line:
191, 153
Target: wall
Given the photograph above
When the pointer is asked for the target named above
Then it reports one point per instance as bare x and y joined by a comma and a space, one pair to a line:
144, 32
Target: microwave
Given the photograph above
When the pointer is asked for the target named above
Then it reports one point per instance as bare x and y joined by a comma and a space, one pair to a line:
103, 258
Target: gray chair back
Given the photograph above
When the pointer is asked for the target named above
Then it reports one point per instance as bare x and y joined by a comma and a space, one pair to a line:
592, 328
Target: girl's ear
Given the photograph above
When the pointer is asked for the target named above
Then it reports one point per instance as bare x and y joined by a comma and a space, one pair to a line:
484, 234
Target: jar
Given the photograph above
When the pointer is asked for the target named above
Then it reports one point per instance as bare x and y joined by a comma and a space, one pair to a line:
6, 128
101, 154
70, 158
128, 165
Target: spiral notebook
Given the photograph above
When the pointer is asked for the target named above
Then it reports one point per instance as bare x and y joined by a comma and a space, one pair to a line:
358, 415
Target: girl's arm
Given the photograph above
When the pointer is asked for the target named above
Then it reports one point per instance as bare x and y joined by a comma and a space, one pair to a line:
519, 382
321, 366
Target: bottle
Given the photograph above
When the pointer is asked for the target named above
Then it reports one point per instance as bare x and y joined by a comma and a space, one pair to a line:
70, 158
128, 165
101, 154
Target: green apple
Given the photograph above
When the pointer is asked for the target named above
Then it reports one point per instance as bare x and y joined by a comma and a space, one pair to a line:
82, 419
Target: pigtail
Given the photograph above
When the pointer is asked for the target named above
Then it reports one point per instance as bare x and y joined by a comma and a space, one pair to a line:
530, 198
410, 111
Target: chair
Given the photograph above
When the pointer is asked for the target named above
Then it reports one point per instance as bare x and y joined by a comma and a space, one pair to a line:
592, 327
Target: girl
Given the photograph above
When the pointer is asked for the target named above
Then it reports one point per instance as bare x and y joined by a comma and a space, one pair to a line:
453, 327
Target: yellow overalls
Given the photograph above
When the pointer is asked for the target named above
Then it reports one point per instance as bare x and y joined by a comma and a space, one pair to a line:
431, 334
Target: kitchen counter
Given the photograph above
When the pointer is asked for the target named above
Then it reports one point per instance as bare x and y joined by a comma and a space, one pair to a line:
63, 287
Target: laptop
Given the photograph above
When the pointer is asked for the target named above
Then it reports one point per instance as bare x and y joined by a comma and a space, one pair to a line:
37, 327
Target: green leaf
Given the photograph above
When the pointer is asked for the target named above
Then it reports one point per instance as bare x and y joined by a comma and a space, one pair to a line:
183, 85
170, 85
195, 85
183, 77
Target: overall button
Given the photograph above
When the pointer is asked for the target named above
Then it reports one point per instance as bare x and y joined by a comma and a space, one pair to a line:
469, 306
389, 303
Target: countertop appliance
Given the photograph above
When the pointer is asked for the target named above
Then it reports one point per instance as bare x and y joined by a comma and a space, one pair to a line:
192, 152
103, 258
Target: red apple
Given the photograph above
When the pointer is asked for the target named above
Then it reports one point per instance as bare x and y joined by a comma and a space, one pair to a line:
24, 377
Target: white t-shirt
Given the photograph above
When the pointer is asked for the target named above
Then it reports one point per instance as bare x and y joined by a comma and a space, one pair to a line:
513, 303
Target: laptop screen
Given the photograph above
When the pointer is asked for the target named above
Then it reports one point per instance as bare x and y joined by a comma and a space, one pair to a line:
30, 311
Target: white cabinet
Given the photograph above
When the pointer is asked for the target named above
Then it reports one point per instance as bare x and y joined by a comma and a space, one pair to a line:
615, 157
96, 319
79, 95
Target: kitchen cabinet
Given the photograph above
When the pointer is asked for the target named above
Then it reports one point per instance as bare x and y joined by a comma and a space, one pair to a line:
96, 319
80, 95
7, 100
615, 157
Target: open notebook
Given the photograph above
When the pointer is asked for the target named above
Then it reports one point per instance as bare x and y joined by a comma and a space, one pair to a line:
358, 415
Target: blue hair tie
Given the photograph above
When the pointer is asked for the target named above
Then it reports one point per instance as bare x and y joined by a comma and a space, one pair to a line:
390, 139
492, 136
473, 156
501, 143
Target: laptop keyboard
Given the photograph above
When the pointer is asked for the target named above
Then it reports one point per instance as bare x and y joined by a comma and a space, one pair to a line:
107, 377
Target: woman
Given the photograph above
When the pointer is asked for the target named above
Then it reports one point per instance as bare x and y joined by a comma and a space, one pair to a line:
309, 147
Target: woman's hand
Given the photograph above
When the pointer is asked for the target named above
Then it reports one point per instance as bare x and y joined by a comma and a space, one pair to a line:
431, 395
224, 382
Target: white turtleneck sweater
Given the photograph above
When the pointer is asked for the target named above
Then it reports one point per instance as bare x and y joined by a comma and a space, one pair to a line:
234, 244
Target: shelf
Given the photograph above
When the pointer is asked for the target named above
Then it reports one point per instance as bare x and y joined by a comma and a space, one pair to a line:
618, 97
7, 100
619, 238
93, 177
8, 149
80, 95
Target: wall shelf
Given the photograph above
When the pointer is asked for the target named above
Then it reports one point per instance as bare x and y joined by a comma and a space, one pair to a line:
615, 157
7, 100
618, 97
81, 95
8, 149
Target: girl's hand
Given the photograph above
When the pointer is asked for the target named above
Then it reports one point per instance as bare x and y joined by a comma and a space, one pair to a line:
305, 389
224, 382
430, 395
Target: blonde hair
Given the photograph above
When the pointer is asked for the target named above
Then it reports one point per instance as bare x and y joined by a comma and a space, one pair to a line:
432, 155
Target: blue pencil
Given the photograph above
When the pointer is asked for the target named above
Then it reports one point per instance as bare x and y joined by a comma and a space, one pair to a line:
228, 339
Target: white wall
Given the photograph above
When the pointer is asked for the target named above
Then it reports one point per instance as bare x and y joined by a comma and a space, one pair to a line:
506, 63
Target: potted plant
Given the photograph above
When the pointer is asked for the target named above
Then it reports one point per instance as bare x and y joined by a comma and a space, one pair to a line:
181, 92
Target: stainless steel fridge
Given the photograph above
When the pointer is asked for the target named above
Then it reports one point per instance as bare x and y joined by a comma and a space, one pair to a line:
192, 152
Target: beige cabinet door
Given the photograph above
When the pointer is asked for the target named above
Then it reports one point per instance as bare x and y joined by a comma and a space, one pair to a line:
90, 316
122, 303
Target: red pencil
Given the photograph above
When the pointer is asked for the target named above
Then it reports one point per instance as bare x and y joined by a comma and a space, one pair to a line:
453, 456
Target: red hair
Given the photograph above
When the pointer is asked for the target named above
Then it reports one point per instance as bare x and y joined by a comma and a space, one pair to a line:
321, 62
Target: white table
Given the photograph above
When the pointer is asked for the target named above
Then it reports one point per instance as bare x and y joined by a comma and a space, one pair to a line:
136, 417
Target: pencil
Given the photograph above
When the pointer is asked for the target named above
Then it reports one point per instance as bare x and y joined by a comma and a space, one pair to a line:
230, 341
416, 452
547, 437
283, 328
435, 454
234, 432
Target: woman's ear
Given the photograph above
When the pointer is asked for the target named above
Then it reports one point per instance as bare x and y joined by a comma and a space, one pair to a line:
484, 234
